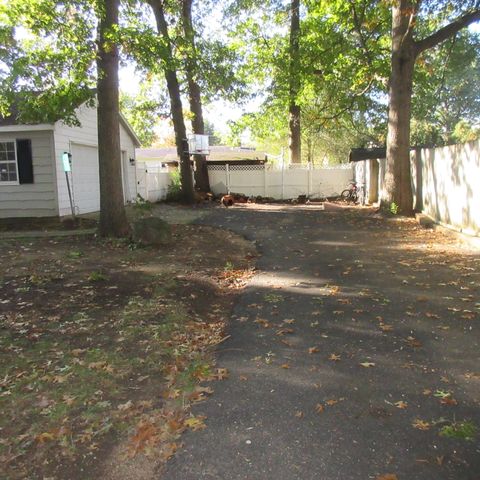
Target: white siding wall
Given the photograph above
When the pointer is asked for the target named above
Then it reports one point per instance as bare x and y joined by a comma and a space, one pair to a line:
38, 199
86, 134
130, 182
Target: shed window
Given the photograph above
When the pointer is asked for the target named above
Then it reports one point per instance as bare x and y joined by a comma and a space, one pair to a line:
8, 163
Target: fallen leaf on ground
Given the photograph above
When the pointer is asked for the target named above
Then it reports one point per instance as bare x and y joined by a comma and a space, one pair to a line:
284, 331
195, 423
44, 437
386, 328
448, 401
168, 451
125, 406
221, 373
367, 364
146, 434
421, 424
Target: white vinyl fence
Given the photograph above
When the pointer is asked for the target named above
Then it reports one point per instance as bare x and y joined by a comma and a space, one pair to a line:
252, 180
152, 181
279, 183
444, 182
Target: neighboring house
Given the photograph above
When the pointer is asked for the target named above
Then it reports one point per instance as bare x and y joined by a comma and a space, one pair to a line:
32, 179
168, 155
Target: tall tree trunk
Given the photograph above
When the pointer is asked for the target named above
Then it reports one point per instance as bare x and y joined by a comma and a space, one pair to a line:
398, 186
295, 140
173, 87
194, 95
405, 50
113, 219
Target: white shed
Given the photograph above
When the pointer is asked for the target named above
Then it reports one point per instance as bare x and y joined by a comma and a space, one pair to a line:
32, 180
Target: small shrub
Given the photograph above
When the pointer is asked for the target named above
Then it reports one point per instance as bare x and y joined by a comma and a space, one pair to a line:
174, 193
142, 204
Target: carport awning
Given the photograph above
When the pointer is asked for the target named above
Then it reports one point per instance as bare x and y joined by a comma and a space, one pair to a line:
375, 153
359, 154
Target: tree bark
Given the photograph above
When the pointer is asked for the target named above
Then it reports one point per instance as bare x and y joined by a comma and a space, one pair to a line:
194, 94
397, 183
173, 87
294, 111
405, 50
113, 219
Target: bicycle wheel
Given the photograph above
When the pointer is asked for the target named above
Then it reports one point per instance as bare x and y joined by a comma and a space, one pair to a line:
346, 195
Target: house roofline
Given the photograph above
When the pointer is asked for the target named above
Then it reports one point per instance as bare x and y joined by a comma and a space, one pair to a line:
130, 130
26, 127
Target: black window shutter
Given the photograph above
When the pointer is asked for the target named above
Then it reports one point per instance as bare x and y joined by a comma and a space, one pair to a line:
25, 161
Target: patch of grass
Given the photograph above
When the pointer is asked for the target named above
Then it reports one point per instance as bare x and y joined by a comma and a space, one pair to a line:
97, 277
273, 298
465, 430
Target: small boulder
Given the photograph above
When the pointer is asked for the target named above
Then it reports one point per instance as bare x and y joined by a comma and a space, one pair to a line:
151, 231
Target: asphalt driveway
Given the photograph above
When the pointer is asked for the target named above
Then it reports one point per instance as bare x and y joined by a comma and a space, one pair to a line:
354, 354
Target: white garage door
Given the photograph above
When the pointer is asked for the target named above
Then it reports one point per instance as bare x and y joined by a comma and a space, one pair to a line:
85, 178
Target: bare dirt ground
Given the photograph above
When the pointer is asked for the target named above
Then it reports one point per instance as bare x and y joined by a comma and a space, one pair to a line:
106, 344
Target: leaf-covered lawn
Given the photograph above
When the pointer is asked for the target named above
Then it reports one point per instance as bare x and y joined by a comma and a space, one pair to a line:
103, 344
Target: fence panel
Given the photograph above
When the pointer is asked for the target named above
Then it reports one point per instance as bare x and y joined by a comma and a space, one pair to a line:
141, 179
152, 181
247, 179
278, 183
217, 175
447, 182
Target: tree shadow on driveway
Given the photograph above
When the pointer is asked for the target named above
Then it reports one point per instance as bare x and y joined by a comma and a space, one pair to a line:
352, 350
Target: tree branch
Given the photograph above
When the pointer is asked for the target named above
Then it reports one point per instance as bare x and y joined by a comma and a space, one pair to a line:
446, 32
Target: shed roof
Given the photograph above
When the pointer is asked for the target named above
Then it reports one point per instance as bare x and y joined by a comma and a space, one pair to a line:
12, 120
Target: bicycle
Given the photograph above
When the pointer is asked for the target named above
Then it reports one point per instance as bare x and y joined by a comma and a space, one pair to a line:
355, 193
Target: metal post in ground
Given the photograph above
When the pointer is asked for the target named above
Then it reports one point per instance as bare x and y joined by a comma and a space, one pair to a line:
227, 178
